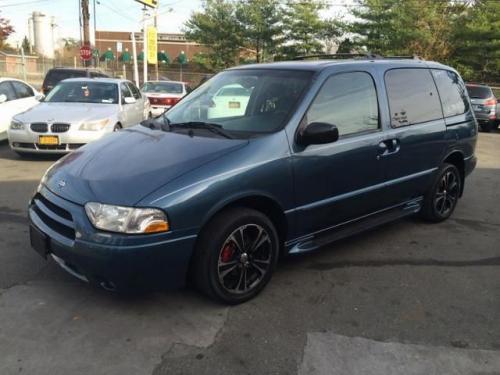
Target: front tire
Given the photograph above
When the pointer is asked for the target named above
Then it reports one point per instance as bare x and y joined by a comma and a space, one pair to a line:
235, 256
441, 200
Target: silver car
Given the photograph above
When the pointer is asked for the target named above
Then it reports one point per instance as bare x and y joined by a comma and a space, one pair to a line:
485, 105
77, 111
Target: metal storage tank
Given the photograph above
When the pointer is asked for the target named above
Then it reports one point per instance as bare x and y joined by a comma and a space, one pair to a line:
43, 30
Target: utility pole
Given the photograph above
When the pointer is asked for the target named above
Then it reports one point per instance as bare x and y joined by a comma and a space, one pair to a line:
96, 59
86, 29
145, 44
156, 25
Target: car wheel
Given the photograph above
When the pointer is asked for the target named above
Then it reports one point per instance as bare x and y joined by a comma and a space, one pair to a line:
442, 198
117, 127
236, 255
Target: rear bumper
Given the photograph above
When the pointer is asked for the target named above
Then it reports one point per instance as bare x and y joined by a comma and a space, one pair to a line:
113, 261
158, 110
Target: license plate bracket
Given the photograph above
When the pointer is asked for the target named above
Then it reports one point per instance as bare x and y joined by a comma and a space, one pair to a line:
39, 241
48, 140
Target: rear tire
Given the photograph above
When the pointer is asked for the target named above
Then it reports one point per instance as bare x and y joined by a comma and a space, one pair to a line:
235, 255
441, 199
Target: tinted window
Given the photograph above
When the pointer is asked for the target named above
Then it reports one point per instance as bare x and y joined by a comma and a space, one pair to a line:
55, 76
234, 91
135, 91
479, 92
7, 90
22, 90
163, 87
84, 92
451, 91
347, 100
413, 97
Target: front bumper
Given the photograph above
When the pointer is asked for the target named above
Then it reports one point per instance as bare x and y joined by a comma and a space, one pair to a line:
27, 140
113, 261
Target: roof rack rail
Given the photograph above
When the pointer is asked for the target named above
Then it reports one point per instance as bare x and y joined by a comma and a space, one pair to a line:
367, 55
339, 56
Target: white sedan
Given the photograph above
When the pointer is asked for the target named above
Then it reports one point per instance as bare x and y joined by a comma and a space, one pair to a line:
163, 95
16, 96
75, 112
228, 101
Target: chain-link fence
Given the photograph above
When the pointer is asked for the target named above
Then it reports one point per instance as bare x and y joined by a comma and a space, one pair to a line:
33, 69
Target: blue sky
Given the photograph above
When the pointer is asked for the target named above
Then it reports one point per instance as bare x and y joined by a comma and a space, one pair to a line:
116, 15
111, 15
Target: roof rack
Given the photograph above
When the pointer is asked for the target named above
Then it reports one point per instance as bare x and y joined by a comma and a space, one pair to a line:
367, 55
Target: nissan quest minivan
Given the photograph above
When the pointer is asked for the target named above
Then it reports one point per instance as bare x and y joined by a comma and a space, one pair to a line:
313, 151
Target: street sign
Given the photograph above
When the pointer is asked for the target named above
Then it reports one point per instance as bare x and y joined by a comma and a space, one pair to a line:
85, 53
149, 3
152, 45
119, 46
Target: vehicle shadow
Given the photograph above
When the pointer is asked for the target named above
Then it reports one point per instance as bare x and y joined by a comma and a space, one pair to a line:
8, 154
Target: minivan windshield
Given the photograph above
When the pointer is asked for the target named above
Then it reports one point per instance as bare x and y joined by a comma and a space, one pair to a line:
246, 101
479, 92
84, 92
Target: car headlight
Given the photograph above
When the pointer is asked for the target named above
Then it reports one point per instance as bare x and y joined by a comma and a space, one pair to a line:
126, 219
16, 125
94, 125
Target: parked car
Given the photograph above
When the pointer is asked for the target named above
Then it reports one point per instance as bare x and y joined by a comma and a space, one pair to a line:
231, 100
16, 96
76, 112
324, 149
56, 75
162, 95
485, 106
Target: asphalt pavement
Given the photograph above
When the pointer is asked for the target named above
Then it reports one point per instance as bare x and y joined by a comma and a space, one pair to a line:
405, 298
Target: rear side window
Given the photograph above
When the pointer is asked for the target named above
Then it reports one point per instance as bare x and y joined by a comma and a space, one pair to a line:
22, 90
413, 97
452, 92
348, 101
7, 90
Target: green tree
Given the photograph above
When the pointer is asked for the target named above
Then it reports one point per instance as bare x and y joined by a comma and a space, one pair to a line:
25, 45
260, 25
406, 27
5, 30
477, 42
304, 29
216, 26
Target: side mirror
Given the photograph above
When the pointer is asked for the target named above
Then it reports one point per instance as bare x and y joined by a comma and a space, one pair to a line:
129, 100
3, 98
317, 133
39, 97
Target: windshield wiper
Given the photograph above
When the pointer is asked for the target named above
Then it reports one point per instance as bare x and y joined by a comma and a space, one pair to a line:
214, 128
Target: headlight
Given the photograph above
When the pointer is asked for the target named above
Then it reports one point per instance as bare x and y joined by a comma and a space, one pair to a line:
16, 125
94, 125
126, 219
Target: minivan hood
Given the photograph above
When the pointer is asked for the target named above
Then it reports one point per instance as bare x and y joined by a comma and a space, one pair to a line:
124, 167
67, 112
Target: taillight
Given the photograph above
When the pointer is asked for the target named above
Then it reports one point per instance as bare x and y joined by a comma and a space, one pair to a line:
490, 102
163, 101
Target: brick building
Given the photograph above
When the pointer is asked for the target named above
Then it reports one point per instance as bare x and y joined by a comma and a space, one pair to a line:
171, 43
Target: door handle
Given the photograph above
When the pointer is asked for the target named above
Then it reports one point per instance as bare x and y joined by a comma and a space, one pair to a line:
388, 147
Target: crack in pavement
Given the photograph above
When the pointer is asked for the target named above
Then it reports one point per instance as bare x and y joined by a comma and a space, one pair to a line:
323, 266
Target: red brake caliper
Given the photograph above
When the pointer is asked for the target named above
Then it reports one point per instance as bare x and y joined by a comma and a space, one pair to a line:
227, 252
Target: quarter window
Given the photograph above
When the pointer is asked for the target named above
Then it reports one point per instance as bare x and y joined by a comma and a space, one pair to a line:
413, 97
22, 90
452, 92
348, 101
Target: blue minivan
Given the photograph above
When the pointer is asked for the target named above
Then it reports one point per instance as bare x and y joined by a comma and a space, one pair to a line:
217, 189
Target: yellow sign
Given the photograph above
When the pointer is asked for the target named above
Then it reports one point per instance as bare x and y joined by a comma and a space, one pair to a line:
152, 45
149, 3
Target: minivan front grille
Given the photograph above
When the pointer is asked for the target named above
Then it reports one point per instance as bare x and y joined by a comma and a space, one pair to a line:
39, 127
58, 127
55, 217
